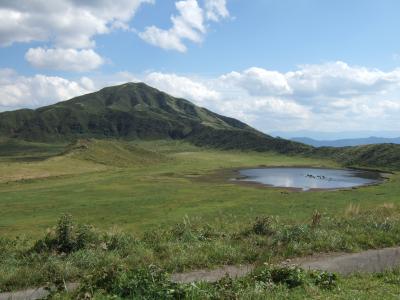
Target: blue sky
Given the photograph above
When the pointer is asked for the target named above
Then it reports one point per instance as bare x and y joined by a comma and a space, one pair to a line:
280, 65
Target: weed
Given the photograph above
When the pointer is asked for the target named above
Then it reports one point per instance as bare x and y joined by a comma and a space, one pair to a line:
316, 219
352, 210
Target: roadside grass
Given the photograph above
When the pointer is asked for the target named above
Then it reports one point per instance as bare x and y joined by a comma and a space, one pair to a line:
115, 263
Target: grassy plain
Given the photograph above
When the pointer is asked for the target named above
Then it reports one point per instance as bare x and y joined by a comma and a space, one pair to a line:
169, 204
139, 185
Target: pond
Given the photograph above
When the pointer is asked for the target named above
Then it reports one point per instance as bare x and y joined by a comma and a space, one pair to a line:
309, 178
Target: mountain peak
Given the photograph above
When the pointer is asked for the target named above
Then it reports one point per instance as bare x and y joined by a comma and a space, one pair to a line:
136, 111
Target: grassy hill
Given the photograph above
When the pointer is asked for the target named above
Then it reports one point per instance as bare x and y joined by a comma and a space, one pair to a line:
380, 156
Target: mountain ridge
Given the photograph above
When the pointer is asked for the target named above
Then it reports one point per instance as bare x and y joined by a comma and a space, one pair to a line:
137, 111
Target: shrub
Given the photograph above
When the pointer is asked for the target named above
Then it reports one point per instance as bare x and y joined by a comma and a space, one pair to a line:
291, 276
67, 237
227, 288
325, 280
142, 283
263, 226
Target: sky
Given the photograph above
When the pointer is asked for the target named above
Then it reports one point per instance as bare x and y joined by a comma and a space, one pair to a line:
290, 67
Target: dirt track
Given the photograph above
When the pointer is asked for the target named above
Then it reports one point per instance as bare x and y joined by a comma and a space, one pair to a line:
370, 261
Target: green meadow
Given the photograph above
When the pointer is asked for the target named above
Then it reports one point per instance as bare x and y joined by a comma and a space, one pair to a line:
158, 207
140, 185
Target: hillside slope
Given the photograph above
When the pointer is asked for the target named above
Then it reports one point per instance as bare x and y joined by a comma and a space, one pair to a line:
137, 111
380, 156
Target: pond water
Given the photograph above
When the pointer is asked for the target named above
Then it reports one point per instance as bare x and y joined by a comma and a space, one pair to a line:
309, 178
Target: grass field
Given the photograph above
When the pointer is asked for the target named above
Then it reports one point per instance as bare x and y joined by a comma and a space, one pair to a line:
171, 204
139, 185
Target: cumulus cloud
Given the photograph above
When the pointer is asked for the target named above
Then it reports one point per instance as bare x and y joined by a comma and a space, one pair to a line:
259, 82
189, 24
29, 92
329, 96
338, 79
183, 87
66, 23
64, 59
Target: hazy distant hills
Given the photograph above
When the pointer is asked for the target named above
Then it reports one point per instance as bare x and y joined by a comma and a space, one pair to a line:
137, 111
346, 142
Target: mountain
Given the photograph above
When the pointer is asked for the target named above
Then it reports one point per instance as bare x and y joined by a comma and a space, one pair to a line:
137, 111
346, 142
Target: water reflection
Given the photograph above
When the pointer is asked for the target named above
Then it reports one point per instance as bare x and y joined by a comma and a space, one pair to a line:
309, 178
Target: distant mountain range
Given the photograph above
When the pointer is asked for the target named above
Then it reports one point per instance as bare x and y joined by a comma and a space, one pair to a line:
346, 142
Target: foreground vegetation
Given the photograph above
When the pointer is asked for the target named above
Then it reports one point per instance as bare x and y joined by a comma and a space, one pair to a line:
112, 263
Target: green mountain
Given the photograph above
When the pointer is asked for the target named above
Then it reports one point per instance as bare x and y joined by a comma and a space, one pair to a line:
137, 111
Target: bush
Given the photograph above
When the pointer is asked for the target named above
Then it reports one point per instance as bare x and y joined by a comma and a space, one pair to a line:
142, 283
67, 237
263, 226
325, 280
291, 276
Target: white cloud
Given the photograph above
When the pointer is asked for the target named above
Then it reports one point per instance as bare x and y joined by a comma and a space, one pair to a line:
216, 10
189, 25
64, 59
330, 96
182, 87
258, 81
338, 79
20, 91
66, 23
